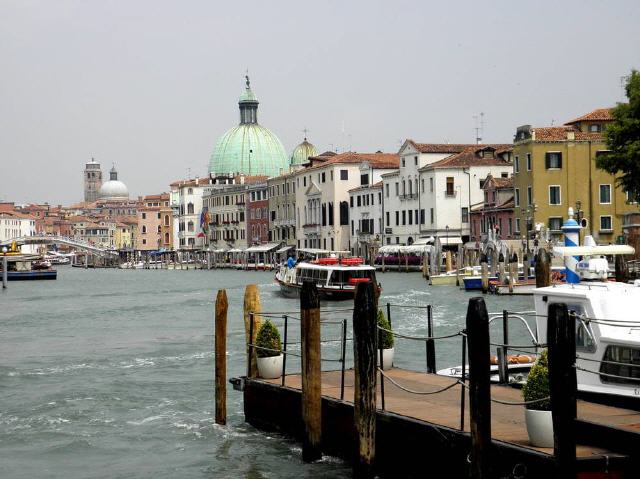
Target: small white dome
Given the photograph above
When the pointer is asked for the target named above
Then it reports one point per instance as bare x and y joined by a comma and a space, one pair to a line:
113, 189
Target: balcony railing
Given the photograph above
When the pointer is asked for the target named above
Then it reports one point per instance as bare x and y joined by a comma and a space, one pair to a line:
311, 228
450, 193
409, 196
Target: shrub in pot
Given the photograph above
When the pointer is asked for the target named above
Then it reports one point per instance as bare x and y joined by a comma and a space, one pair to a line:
268, 350
538, 415
385, 340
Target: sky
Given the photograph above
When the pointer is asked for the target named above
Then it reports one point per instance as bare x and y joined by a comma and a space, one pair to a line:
149, 85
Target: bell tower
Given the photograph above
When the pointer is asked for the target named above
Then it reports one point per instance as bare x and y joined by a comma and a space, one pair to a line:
92, 180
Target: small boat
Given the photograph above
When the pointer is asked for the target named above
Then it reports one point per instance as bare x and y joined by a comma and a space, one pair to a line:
452, 277
26, 267
335, 277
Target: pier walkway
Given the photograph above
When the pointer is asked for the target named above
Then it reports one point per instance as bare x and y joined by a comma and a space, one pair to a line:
443, 409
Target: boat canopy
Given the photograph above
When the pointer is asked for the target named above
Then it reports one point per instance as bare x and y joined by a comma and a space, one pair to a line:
451, 240
593, 250
235, 250
262, 248
284, 249
314, 251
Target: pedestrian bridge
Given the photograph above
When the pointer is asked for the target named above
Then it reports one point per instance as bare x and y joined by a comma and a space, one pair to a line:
50, 239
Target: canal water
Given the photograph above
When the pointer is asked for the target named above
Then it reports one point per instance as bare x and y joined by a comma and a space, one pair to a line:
109, 373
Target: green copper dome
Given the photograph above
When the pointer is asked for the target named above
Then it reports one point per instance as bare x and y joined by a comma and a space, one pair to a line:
302, 152
248, 148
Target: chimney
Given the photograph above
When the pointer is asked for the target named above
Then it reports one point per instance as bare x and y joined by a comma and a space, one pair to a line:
571, 135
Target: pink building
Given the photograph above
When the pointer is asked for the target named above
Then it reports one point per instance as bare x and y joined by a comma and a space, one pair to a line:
496, 212
257, 214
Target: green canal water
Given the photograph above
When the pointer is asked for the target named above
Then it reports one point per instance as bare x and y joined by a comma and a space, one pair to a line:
109, 373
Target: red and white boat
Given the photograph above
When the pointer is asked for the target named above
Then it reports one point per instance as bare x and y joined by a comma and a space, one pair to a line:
336, 277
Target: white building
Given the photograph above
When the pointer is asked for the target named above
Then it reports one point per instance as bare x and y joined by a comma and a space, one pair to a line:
186, 196
403, 190
449, 187
365, 211
322, 196
14, 225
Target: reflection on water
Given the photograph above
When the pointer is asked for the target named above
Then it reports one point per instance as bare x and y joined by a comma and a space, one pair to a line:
109, 373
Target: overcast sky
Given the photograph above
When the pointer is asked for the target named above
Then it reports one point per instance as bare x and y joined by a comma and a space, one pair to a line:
150, 85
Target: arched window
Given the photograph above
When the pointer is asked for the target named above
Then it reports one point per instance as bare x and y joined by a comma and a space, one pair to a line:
190, 226
190, 208
144, 229
166, 220
166, 238
159, 230
190, 191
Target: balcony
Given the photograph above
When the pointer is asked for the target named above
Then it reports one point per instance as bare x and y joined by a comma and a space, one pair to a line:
410, 196
450, 193
311, 229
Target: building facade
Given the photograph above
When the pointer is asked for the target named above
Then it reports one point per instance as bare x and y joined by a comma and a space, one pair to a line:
282, 207
154, 223
186, 203
365, 212
257, 199
92, 180
322, 196
555, 168
15, 225
496, 212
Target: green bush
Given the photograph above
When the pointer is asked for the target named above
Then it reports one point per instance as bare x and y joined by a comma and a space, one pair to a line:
385, 338
268, 337
537, 385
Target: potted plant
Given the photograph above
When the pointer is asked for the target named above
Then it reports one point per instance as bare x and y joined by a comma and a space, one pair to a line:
386, 340
538, 415
269, 351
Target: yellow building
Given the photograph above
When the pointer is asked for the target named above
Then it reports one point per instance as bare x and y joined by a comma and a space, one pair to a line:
555, 168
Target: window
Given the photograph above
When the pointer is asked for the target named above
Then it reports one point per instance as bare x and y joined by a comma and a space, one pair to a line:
324, 214
304, 181
605, 223
190, 191
553, 160
516, 164
554, 195
415, 160
431, 185
404, 217
465, 214
386, 190
595, 128
144, 216
517, 225
144, 241
605, 194
615, 363
344, 174
410, 217
159, 231
422, 185
528, 161
344, 210
359, 202
323, 177
166, 238
330, 210
387, 213
166, 220
450, 191
529, 196
364, 179
431, 214
403, 162
517, 197
510, 227
158, 215
190, 208
144, 229
351, 202
397, 189
555, 224
397, 218
422, 216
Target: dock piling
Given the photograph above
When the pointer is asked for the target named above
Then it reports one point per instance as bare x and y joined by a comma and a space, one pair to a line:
5, 267
221, 356
503, 351
543, 268
484, 276
251, 325
365, 340
430, 343
311, 372
562, 386
477, 324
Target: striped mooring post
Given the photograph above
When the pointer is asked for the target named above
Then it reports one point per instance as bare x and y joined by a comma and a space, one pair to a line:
571, 230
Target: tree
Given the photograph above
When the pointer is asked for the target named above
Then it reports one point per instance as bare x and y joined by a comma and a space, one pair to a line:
623, 140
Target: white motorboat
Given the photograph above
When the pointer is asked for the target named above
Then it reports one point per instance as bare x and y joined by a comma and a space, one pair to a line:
335, 277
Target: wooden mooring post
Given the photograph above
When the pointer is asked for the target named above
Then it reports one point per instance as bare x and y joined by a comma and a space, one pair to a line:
622, 272
430, 344
251, 325
5, 267
484, 276
221, 356
311, 372
479, 388
365, 339
543, 268
562, 386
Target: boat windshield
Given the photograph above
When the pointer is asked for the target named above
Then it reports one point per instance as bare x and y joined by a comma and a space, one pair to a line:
319, 276
621, 365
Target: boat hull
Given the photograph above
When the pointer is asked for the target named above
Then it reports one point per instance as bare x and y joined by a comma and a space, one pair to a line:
443, 279
293, 291
32, 275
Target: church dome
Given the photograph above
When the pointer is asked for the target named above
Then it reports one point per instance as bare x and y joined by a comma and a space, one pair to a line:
113, 189
248, 148
302, 152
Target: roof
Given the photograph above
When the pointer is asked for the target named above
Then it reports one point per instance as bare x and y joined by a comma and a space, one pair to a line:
367, 187
471, 156
503, 182
559, 133
205, 180
15, 214
599, 114
376, 160
439, 147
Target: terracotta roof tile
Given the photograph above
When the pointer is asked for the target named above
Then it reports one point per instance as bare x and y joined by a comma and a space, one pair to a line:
471, 156
439, 147
376, 160
600, 114
503, 182
559, 133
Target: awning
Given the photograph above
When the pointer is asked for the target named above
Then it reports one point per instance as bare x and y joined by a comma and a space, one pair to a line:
313, 251
219, 250
451, 240
416, 248
392, 248
284, 249
262, 248
235, 250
